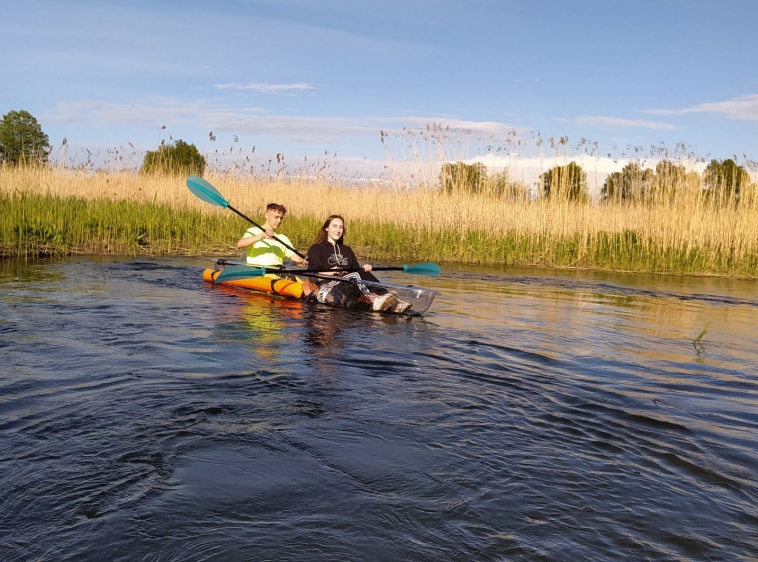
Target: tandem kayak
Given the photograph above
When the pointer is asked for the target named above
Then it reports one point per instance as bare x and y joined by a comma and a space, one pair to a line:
419, 298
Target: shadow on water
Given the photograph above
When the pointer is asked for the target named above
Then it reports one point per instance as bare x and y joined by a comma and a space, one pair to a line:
146, 414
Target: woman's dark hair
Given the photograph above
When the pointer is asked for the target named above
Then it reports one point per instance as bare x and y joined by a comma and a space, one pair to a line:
322, 237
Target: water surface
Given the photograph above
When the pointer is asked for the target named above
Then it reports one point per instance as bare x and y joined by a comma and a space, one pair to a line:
529, 415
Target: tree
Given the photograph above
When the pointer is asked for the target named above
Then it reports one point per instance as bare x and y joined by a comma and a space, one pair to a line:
569, 182
500, 184
667, 170
632, 182
459, 176
176, 158
725, 180
673, 181
22, 139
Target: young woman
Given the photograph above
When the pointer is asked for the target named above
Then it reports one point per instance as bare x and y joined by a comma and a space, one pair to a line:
329, 252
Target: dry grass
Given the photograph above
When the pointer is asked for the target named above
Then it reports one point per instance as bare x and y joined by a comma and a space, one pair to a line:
678, 234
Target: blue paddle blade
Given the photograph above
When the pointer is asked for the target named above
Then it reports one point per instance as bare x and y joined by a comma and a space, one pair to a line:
205, 191
428, 268
238, 272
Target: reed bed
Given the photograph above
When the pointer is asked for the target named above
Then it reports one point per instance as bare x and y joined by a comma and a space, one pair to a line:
56, 211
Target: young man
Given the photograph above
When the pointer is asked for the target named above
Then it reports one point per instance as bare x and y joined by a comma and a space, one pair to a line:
261, 248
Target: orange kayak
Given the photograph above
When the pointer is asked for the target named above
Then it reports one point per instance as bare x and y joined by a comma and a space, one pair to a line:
264, 284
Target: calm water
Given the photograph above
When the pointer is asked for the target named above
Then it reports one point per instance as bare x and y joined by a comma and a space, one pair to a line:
145, 415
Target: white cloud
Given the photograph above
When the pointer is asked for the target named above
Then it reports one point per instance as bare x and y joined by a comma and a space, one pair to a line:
172, 113
744, 108
407, 140
240, 120
615, 122
597, 164
265, 87
159, 112
461, 127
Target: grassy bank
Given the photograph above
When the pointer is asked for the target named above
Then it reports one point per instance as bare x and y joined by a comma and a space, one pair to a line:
56, 212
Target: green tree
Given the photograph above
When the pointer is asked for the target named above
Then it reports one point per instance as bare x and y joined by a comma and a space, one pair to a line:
667, 170
22, 139
673, 181
568, 182
632, 182
501, 185
724, 180
175, 158
459, 176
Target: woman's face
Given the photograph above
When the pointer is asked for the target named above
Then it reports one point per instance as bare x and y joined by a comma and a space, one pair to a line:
335, 229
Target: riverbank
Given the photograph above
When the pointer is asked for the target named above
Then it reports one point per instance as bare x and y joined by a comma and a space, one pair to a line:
61, 212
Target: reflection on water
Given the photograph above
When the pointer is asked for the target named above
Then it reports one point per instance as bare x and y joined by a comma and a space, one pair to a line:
265, 321
528, 415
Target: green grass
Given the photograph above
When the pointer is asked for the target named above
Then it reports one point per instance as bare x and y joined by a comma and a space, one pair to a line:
46, 225
50, 225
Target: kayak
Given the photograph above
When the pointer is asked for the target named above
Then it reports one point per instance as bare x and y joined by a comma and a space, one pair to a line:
420, 299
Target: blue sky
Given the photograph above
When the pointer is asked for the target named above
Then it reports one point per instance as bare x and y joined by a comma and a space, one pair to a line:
324, 77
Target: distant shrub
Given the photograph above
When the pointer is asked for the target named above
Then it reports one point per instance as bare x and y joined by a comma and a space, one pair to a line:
176, 158
473, 179
632, 182
725, 181
462, 177
567, 182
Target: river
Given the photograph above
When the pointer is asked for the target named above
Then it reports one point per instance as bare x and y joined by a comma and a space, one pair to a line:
528, 415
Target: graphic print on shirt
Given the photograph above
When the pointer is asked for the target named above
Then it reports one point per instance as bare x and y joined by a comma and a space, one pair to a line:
337, 259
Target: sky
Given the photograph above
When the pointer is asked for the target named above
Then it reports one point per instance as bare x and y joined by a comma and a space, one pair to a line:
364, 86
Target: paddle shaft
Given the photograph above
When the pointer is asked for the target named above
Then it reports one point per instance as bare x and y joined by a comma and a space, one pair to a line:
299, 271
308, 273
421, 269
256, 272
431, 269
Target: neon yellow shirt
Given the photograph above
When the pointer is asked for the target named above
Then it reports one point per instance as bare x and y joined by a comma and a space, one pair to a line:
267, 252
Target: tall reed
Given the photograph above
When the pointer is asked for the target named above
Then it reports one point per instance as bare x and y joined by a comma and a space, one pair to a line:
47, 210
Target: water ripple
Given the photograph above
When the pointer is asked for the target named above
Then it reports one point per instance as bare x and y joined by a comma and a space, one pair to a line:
145, 415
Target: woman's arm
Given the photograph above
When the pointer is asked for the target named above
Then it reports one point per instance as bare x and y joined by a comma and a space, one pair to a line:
352, 261
353, 264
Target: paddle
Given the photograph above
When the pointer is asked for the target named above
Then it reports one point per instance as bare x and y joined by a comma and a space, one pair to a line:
242, 272
237, 272
205, 191
428, 268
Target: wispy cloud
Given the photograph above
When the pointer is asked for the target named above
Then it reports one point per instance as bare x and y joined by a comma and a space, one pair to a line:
265, 87
173, 112
169, 111
451, 126
744, 108
156, 112
618, 122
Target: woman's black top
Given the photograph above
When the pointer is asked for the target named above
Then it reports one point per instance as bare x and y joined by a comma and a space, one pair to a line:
325, 256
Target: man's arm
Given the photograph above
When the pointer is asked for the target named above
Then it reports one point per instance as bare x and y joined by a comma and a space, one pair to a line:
246, 241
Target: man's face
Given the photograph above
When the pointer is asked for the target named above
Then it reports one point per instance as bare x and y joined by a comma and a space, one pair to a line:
274, 218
